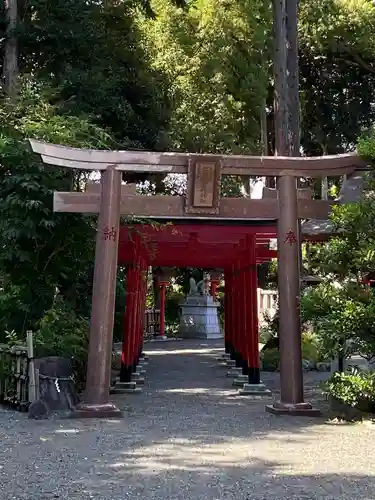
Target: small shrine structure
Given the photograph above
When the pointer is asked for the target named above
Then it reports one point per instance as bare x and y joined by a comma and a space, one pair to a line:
199, 316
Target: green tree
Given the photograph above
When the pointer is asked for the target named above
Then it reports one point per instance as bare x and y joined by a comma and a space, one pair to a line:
91, 54
212, 55
342, 307
337, 51
41, 251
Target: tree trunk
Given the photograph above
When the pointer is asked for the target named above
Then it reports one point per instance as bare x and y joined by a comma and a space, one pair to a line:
286, 106
281, 108
293, 93
293, 77
263, 128
10, 68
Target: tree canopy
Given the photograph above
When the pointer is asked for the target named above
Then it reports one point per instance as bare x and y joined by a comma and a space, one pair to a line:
192, 75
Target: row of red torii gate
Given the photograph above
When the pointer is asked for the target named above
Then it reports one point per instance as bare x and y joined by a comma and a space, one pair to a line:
237, 250
207, 231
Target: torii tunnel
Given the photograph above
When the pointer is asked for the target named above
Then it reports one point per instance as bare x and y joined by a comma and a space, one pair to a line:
236, 249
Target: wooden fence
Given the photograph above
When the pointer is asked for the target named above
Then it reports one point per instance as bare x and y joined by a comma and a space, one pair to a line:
14, 377
267, 303
152, 322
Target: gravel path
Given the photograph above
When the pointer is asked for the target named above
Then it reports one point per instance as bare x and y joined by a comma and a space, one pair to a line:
187, 437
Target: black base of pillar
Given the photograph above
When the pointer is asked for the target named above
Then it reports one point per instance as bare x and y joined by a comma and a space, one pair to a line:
134, 367
254, 375
239, 360
125, 373
245, 367
232, 352
227, 347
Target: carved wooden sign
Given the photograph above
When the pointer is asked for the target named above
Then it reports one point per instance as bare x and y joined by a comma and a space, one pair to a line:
203, 187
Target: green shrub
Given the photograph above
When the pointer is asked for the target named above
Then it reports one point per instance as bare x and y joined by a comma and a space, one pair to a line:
62, 333
270, 359
264, 334
311, 348
342, 316
172, 310
353, 388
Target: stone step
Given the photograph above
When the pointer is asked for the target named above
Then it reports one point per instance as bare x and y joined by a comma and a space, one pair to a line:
138, 380
234, 372
125, 388
257, 390
240, 381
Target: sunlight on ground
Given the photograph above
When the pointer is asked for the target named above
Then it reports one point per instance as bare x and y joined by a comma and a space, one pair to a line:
178, 454
191, 454
67, 431
182, 351
200, 390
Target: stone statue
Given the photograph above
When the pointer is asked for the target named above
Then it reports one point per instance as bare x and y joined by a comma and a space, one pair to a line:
193, 287
206, 285
200, 288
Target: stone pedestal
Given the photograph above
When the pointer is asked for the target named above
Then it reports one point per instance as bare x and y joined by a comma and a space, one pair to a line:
57, 393
199, 319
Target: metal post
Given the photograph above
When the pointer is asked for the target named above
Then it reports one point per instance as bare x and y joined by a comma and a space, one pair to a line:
96, 397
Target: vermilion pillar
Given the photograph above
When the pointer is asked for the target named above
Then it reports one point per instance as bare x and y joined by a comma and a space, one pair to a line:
227, 317
232, 303
143, 308
214, 285
215, 281
137, 316
129, 321
244, 316
252, 314
237, 310
163, 287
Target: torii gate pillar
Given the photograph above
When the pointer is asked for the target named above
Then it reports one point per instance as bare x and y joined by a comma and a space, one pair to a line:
96, 397
291, 394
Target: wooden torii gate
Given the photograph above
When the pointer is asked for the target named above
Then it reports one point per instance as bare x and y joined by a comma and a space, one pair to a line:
202, 201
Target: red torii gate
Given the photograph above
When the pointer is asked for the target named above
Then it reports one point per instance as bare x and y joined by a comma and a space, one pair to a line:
237, 250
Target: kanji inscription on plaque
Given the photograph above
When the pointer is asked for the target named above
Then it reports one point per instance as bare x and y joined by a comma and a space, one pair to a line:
203, 194
204, 185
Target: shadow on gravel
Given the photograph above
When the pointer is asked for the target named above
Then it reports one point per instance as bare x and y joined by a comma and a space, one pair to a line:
261, 480
188, 436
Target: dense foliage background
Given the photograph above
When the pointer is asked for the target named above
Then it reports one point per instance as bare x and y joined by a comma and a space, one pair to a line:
193, 75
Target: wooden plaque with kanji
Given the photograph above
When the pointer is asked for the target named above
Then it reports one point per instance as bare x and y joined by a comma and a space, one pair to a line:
203, 187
